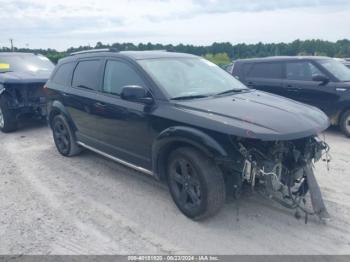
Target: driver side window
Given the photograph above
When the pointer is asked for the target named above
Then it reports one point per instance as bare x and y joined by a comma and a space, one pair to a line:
303, 71
117, 75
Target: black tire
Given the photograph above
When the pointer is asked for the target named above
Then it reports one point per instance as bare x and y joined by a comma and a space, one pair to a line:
345, 123
8, 120
63, 136
196, 183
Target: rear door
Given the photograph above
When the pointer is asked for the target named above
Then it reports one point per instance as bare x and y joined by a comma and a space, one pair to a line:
264, 76
299, 85
80, 99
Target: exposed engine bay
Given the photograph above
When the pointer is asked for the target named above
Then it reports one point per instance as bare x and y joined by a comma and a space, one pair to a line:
29, 98
283, 171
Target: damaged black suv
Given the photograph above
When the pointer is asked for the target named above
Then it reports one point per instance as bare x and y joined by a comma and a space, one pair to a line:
22, 80
185, 121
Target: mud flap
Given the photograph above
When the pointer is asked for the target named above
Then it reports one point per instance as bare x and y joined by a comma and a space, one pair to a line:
316, 196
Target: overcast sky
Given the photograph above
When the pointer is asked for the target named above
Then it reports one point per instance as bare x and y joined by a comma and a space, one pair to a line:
65, 23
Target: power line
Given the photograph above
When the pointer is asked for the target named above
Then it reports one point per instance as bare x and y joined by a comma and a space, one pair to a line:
11, 41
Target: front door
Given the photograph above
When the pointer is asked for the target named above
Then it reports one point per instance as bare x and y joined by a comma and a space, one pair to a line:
122, 128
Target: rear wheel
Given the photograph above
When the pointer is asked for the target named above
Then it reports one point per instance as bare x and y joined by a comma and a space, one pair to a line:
196, 183
8, 121
345, 123
63, 137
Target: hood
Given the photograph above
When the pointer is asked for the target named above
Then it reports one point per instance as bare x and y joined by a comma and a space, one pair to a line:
343, 85
257, 115
24, 77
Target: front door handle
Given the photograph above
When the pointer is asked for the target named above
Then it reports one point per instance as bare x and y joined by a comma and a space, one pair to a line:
341, 89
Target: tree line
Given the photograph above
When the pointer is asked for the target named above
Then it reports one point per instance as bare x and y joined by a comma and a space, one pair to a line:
222, 52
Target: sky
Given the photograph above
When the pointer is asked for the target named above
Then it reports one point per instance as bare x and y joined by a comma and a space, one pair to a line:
66, 23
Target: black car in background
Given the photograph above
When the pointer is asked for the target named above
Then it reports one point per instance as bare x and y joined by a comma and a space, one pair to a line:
22, 79
319, 81
186, 121
347, 62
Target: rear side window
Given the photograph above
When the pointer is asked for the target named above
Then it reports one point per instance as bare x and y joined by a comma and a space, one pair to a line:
63, 74
119, 74
303, 71
266, 70
86, 74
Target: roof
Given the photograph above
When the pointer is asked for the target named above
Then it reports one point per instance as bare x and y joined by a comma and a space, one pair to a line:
14, 53
153, 54
135, 55
283, 58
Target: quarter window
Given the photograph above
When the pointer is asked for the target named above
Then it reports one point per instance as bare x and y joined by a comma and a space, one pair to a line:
63, 74
303, 71
86, 74
117, 75
266, 70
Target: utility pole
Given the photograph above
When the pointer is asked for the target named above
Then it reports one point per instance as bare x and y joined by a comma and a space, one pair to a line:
11, 41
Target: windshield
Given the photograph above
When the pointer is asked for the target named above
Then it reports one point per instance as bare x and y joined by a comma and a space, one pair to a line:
337, 69
192, 77
24, 63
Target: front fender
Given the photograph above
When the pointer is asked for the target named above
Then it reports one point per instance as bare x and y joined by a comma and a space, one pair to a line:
55, 108
2, 89
168, 139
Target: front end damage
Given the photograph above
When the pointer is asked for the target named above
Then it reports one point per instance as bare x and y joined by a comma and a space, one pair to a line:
28, 98
283, 171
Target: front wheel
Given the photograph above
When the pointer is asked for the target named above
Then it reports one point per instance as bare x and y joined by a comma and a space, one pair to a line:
196, 183
63, 137
345, 123
8, 121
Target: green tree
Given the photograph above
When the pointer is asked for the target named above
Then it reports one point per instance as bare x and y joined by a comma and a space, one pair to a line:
219, 59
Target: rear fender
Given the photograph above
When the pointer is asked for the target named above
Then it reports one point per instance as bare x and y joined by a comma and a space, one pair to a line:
57, 108
174, 137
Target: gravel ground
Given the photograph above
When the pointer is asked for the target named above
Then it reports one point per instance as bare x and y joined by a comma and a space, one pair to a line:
90, 205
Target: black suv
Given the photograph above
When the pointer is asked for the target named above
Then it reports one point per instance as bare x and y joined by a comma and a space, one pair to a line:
346, 62
186, 121
22, 79
319, 81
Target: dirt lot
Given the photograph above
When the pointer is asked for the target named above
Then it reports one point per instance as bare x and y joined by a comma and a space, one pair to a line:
90, 205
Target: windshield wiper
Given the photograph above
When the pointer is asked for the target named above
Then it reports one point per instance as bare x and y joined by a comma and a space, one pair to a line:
231, 91
7, 71
188, 97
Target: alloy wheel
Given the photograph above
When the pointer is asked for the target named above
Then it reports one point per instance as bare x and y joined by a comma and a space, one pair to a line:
61, 135
185, 184
2, 121
347, 123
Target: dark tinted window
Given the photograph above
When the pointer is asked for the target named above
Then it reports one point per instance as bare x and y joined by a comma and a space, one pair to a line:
302, 70
118, 75
266, 70
86, 74
63, 74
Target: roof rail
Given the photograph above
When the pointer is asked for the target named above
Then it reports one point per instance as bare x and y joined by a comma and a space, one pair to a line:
94, 51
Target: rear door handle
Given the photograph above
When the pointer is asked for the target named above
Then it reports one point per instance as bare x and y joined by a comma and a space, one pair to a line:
100, 105
293, 88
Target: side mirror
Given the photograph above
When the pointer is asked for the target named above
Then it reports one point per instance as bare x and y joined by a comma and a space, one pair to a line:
320, 78
137, 94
